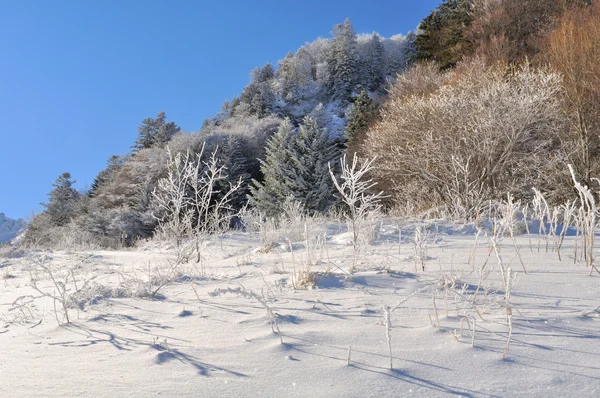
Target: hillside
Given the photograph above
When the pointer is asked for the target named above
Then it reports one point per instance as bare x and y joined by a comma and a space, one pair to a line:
9, 228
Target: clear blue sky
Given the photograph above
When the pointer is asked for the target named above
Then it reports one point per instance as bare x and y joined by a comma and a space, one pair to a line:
78, 76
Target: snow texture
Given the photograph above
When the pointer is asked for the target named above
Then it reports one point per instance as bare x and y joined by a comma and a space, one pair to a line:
243, 330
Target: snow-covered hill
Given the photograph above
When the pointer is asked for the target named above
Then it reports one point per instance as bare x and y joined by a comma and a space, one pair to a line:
10, 228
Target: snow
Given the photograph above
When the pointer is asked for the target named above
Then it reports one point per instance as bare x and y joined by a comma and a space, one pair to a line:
200, 338
9, 229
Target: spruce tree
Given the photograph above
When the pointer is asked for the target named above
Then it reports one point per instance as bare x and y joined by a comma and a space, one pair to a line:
374, 65
155, 132
236, 167
440, 36
343, 62
278, 169
290, 79
314, 151
60, 208
363, 113
112, 166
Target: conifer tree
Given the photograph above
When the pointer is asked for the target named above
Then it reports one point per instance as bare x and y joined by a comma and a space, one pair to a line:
264, 74
112, 166
236, 167
278, 169
440, 37
363, 113
374, 65
343, 62
259, 97
291, 79
314, 152
63, 197
155, 132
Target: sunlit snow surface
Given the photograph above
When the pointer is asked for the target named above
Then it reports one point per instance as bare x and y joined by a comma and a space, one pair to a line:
198, 338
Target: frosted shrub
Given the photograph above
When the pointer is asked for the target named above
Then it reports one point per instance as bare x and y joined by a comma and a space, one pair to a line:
474, 134
68, 287
588, 214
188, 202
363, 206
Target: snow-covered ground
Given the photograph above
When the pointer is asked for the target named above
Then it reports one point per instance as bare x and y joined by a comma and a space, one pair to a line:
216, 335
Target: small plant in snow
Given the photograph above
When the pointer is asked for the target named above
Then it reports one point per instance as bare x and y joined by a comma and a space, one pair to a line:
363, 206
587, 214
421, 244
68, 289
187, 202
261, 298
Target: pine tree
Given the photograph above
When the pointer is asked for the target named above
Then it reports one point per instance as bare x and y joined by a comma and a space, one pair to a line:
440, 36
155, 132
63, 197
291, 80
374, 65
259, 97
363, 113
264, 74
278, 169
165, 133
314, 151
112, 166
236, 167
343, 62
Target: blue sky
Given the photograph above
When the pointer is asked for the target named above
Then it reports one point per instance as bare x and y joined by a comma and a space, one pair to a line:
78, 76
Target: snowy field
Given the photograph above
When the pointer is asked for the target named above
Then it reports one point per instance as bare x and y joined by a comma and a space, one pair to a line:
251, 320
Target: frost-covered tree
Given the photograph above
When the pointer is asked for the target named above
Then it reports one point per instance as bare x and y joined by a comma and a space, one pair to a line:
295, 74
112, 166
314, 151
278, 169
373, 64
441, 34
236, 166
258, 96
363, 113
343, 62
155, 132
60, 207
264, 74
462, 139
295, 166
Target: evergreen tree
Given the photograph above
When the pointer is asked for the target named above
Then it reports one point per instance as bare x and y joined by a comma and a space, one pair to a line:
343, 62
236, 166
112, 166
278, 169
63, 197
264, 74
440, 36
165, 132
410, 51
290, 79
363, 113
374, 65
259, 98
314, 151
155, 132
320, 115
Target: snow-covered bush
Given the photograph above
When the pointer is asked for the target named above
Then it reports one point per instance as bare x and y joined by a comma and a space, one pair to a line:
461, 137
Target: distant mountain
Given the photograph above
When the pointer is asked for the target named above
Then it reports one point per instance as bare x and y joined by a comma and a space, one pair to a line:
10, 228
